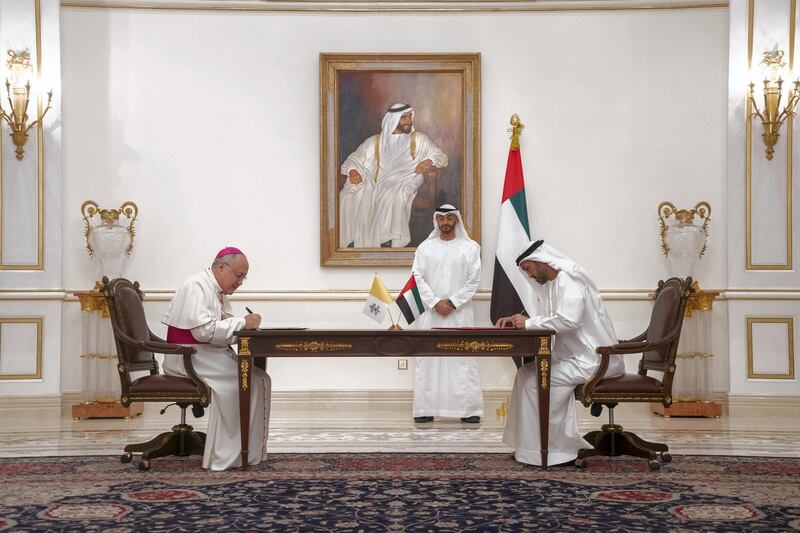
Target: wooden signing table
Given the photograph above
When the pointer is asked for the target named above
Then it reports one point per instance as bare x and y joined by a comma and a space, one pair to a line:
381, 343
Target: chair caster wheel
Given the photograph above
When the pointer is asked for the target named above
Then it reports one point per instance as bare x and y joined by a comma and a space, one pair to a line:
655, 466
581, 463
126, 457
666, 458
144, 466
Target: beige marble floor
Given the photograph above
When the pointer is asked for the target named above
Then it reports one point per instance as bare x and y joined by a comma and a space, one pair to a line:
43, 432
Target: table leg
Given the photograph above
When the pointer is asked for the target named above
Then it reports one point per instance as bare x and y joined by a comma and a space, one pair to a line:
245, 382
543, 371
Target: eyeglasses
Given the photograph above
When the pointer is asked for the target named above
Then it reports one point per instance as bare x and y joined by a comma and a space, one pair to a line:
241, 278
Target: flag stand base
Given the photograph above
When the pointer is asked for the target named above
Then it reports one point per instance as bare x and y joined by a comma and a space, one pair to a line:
395, 327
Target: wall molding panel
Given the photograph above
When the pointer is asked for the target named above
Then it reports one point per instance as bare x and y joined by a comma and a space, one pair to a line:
770, 348
20, 348
30, 211
769, 224
30, 345
763, 212
22, 182
30, 189
763, 346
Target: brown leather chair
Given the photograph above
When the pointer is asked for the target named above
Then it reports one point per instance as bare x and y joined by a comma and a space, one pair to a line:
136, 346
658, 346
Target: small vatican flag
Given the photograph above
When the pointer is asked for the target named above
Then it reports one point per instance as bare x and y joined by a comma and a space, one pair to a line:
378, 301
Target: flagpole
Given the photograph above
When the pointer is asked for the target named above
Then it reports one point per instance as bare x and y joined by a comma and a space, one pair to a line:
511, 291
395, 325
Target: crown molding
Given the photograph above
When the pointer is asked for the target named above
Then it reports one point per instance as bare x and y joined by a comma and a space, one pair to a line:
395, 6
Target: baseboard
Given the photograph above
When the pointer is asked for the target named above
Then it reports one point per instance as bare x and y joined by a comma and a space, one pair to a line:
299, 406
390, 405
71, 398
720, 396
761, 405
19, 402
352, 406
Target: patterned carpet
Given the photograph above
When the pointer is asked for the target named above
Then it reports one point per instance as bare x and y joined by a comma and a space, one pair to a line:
401, 492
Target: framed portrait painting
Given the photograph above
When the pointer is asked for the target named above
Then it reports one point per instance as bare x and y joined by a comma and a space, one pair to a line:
399, 136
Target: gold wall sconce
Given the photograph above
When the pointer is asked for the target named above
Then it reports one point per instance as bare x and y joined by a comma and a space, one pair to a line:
18, 91
771, 115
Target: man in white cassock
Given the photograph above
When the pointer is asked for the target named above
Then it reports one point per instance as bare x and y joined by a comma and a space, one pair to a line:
201, 316
570, 305
447, 269
383, 176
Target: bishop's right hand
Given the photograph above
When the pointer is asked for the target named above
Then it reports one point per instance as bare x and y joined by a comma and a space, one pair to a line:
252, 321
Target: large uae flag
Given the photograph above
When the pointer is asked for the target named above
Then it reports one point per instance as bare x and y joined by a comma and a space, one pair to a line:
511, 292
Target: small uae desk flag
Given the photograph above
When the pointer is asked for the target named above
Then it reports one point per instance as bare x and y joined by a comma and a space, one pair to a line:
378, 301
409, 301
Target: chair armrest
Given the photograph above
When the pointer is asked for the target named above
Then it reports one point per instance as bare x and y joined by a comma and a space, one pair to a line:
629, 347
156, 338
622, 348
163, 347
159, 347
638, 338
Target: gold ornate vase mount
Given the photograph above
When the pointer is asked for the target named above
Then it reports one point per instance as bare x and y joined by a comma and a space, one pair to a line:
682, 238
108, 239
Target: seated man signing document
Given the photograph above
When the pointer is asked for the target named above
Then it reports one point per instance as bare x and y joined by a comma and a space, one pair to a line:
571, 306
201, 316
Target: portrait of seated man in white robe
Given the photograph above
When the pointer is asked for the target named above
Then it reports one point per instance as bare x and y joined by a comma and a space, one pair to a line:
383, 176
570, 304
200, 315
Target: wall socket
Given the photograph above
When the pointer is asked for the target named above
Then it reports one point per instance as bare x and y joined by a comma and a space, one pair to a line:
402, 364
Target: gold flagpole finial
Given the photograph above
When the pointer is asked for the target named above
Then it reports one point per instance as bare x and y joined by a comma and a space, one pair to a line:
516, 130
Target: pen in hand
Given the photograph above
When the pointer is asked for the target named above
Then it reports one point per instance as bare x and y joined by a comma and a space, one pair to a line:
251, 321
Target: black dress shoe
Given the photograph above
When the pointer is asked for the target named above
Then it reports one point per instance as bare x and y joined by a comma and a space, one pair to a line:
422, 419
474, 419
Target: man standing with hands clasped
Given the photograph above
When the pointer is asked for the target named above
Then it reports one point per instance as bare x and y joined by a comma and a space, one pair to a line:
447, 269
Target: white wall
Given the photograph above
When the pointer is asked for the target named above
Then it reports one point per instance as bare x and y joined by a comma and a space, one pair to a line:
209, 121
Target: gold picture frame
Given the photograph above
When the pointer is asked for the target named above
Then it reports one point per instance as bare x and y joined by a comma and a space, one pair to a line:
356, 93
